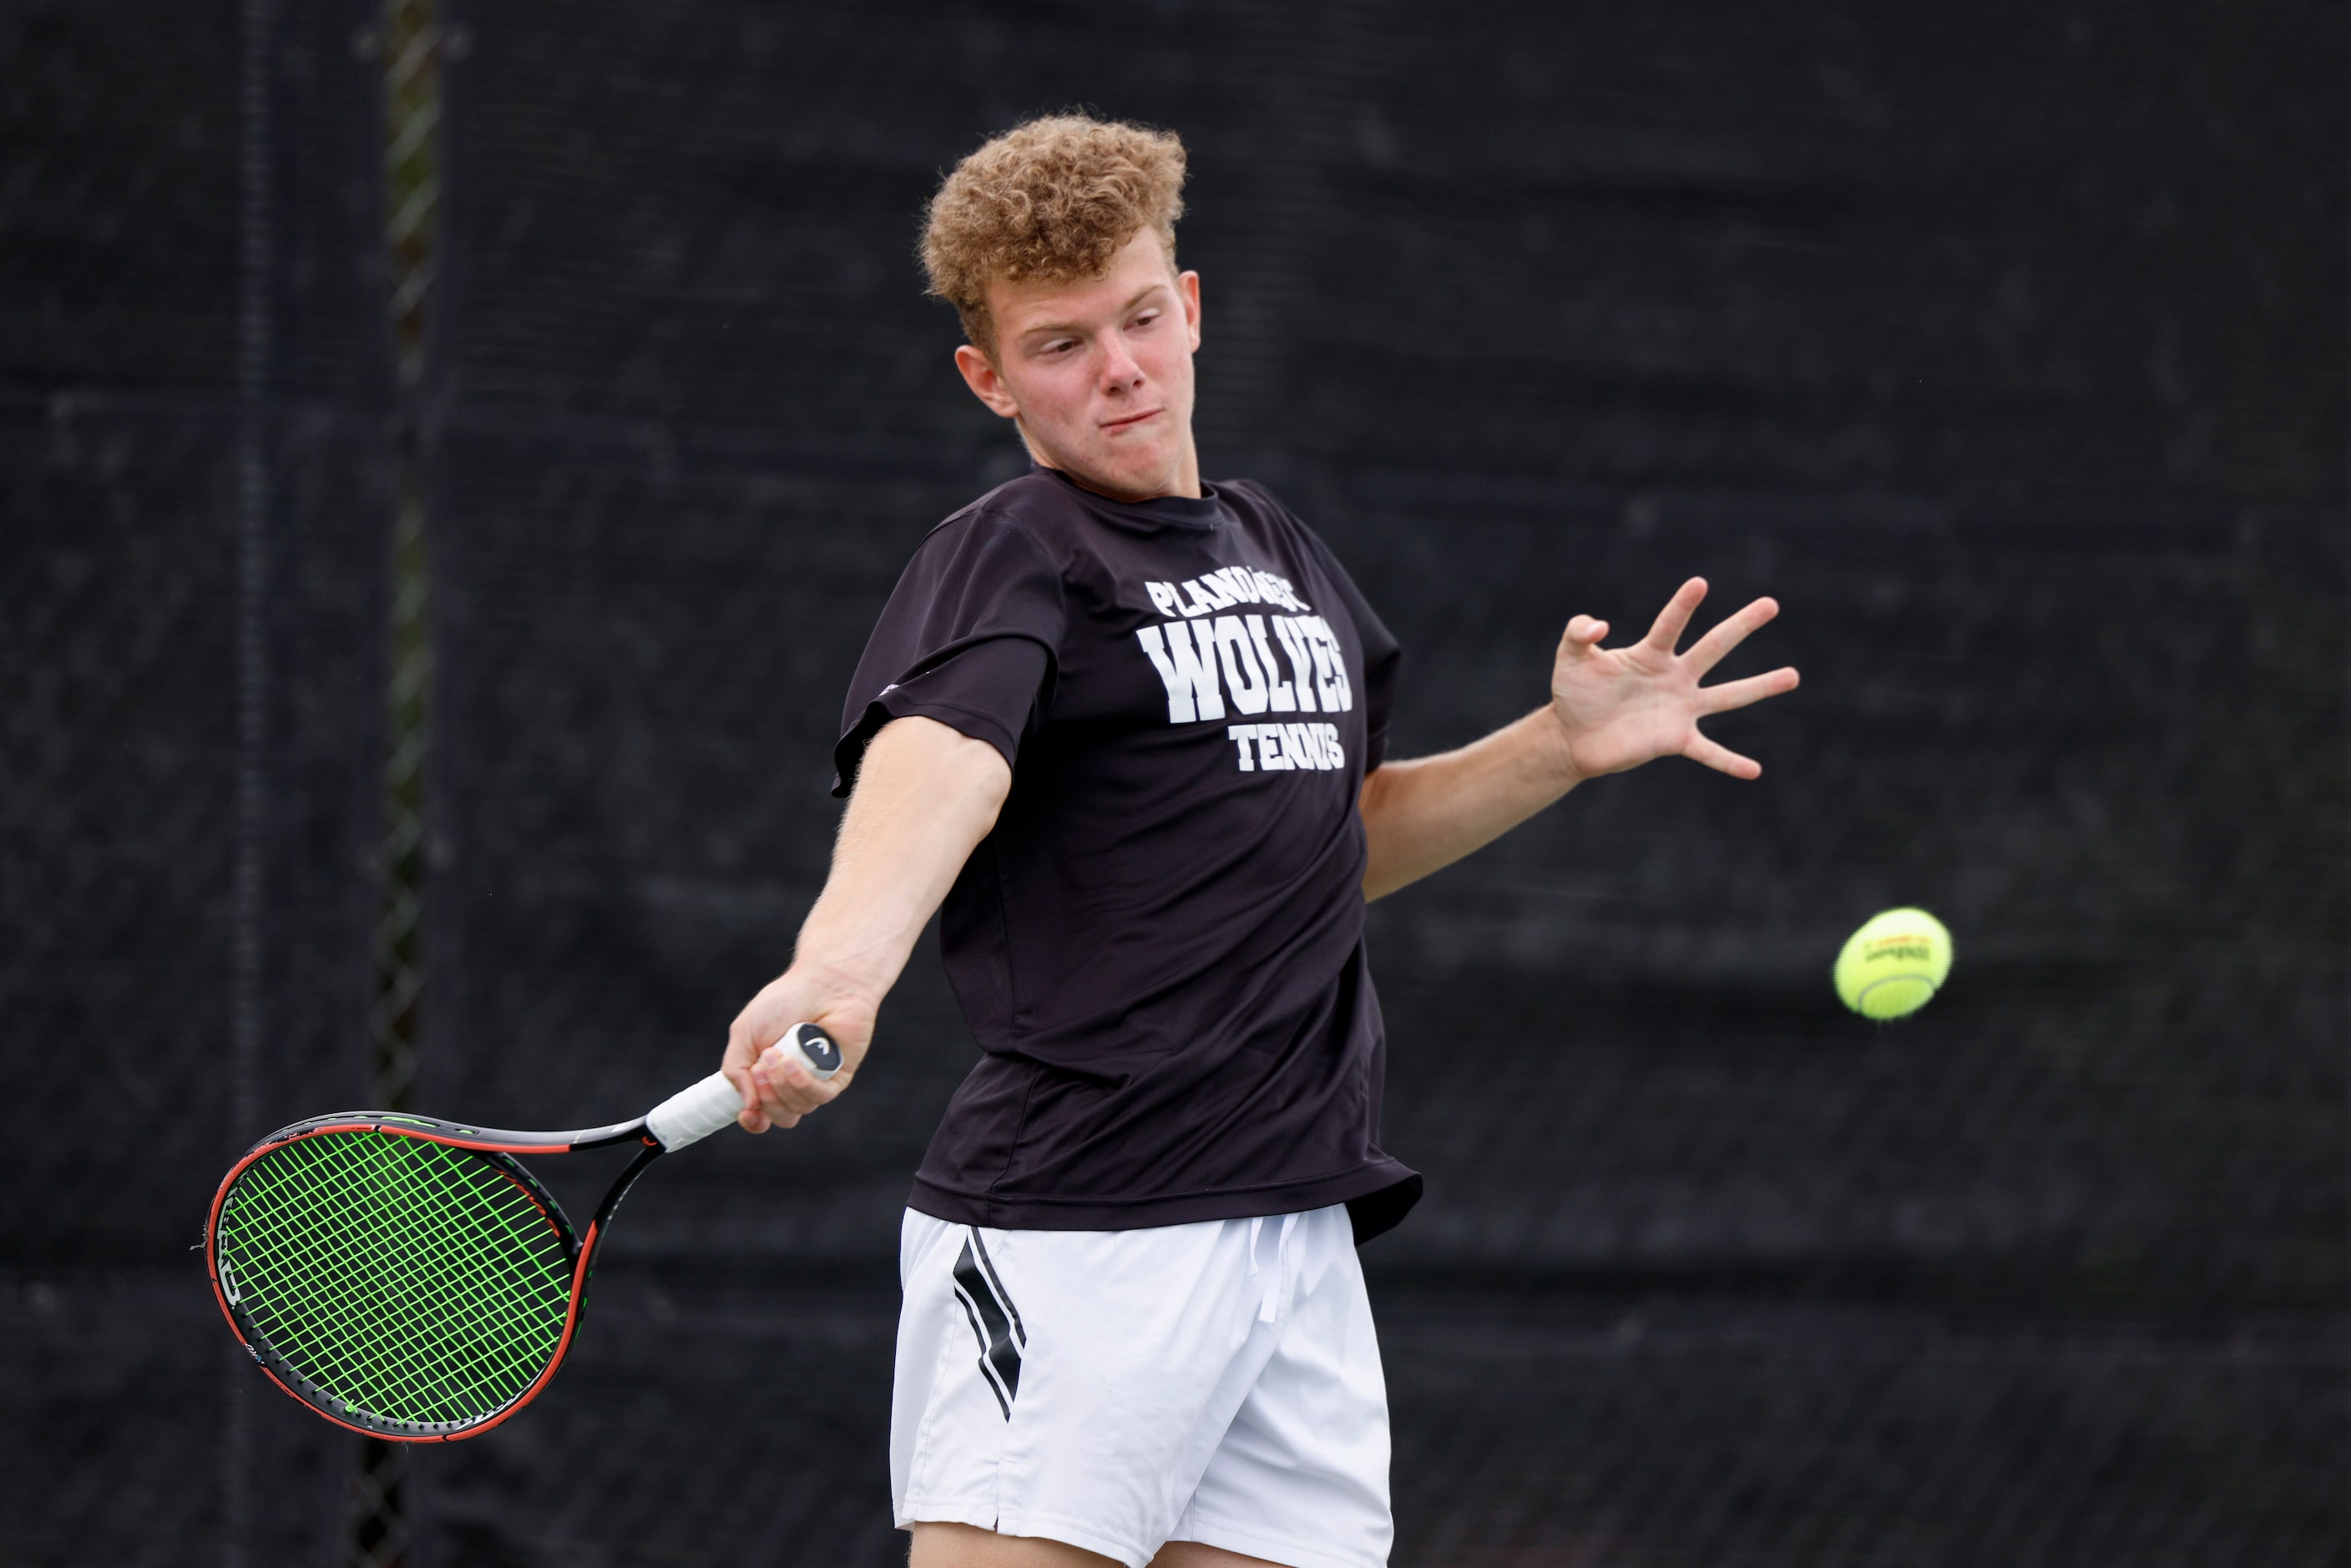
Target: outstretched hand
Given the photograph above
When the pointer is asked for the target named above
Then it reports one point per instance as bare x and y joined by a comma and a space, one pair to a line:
1624, 707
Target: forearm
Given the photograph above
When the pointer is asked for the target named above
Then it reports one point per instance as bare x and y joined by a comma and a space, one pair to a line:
925, 796
1422, 815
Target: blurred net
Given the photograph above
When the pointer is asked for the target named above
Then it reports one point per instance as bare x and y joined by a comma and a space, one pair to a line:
192, 397
1535, 312
2005, 348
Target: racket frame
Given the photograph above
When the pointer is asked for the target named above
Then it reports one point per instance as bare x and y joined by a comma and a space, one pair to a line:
685, 1118
501, 1146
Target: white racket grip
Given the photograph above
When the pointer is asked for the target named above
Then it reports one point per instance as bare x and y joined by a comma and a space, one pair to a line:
691, 1114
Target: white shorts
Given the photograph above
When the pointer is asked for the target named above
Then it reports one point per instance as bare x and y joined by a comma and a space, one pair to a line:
1118, 1389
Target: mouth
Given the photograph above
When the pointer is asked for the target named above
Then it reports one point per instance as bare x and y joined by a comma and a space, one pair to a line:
1114, 427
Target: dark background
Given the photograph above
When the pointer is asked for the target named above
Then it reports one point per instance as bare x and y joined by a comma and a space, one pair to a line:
2004, 343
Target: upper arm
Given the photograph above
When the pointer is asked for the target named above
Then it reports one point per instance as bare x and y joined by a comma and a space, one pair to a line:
914, 760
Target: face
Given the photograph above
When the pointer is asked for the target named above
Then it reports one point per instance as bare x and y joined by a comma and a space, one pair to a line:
1098, 373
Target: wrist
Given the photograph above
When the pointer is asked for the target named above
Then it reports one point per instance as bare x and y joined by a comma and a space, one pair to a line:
1555, 745
831, 986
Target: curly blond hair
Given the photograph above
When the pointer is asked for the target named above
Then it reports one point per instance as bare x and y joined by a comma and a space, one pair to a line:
1054, 199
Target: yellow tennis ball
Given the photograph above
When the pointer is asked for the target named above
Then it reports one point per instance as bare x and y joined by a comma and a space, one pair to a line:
1895, 963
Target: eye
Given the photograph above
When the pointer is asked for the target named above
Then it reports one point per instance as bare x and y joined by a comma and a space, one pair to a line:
1147, 318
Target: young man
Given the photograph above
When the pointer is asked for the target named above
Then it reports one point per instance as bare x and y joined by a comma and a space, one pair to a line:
1130, 730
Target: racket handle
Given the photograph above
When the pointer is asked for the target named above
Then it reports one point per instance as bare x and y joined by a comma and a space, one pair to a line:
694, 1113
691, 1114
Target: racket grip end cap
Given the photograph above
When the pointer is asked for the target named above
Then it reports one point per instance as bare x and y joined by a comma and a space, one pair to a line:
817, 1050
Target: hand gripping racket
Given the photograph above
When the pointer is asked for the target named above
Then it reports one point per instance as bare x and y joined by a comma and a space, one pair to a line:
406, 1277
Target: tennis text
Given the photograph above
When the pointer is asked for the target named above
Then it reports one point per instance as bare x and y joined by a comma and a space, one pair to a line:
1278, 748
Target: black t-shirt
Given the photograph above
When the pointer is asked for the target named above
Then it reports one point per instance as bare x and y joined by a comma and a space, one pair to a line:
1159, 948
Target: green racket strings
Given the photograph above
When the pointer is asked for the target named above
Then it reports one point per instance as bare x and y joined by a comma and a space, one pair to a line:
407, 1280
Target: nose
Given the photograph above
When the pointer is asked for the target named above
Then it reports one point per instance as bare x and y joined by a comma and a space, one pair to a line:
1119, 371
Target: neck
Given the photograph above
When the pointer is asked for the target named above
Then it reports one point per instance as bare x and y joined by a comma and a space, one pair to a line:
1184, 480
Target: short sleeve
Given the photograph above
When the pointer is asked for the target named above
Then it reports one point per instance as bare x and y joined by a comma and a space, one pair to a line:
1383, 658
971, 637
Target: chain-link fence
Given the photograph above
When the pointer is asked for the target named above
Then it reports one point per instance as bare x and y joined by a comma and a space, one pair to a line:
412, 43
2006, 348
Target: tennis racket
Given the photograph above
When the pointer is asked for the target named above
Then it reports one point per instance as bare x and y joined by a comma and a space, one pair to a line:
408, 1278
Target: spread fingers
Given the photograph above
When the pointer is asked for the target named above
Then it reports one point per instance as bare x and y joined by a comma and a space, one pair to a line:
1722, 759
1674, 617
1753, 689
1709, 649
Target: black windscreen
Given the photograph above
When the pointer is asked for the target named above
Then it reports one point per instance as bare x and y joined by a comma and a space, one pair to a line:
2005, 346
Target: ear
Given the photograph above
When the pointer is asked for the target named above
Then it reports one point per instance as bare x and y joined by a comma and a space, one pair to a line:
1187, 284
985, 382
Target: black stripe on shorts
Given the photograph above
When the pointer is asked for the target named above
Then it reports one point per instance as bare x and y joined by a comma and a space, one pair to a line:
995, 1321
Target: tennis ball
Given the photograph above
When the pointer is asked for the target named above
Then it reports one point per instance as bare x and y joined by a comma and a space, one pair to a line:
1895, 963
